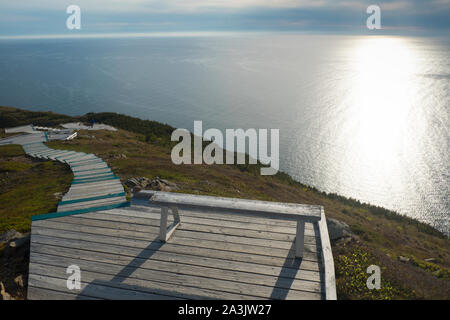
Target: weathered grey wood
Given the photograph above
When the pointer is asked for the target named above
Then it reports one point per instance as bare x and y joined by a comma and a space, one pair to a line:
138, 226
95, 184
95, 188
81, 157
164, 231
44, 254
90, 173
247, 234
108, 191
92, 289
36, 148
327, 258
192, 281
216, 244
101, 191
189, 235
98, 188
299, 239
52, 152
140, 211
89, 191
258, 263
86, 162
170, 291
244, 256
268, 209
272, 210
90, 204
151, 218
35, 293
306, 270
93, 176
89, 167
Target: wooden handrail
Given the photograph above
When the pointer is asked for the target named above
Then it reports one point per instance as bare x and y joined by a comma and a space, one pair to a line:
266, 209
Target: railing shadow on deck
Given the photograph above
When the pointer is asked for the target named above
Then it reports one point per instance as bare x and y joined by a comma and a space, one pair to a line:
289, 270
116, 289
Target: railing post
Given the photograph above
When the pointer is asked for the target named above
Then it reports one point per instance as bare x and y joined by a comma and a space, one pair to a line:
299, 239
163, 224
166, 232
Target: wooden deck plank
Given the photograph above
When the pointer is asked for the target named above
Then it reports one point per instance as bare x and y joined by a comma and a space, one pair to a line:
97, 192
95, 175
152, 218
136, 286
242, 259
87, 173
89, 204
150, 225
95, 188
104, 183
140, 209
300, 268
262, 235
204, 240
45, 253
152, 276
93, 194
90, 289
274, 254
90, 167
100, 189
36, 293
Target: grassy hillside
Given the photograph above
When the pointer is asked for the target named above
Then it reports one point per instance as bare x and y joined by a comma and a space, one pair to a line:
383, 235
28, 187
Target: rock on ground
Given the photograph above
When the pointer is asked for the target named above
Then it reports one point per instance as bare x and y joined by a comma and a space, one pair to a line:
3, 294
9, 236
19, 280
145, 183
403, 259
338, 230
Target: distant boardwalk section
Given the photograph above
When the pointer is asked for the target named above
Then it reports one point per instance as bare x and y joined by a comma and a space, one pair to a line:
94, 186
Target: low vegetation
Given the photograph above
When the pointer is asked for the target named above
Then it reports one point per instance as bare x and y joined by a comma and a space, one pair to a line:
142, 148
28, 187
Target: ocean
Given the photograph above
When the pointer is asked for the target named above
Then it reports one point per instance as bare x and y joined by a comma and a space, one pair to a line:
362, 116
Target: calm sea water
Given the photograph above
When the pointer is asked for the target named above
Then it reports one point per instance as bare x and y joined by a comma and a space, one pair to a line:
365, 117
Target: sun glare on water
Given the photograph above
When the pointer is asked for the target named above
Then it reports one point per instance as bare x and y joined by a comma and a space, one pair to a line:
380, 107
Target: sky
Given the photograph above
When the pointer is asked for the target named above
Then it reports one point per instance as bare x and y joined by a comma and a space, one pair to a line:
48, 17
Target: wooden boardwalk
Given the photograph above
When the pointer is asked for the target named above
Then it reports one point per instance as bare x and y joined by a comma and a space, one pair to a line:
118, 250
215, 256
94, 184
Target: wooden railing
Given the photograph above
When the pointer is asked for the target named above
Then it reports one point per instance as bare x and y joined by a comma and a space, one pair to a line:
300, 213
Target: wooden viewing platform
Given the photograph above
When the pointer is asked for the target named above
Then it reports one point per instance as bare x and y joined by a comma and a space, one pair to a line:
214, 248
210, 256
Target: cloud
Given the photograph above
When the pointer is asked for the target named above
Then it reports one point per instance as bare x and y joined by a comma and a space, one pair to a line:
211, 5
24, 16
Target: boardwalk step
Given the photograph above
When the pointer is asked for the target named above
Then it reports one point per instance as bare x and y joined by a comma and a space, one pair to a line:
73, 212
87, 180
105, 196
